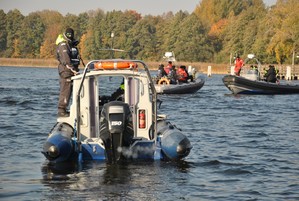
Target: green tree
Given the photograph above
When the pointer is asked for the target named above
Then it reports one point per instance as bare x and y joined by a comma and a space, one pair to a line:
142, 39
192, 43
122, 35
240, 33
163, 23
32, 36
103, 25
83, 20
282, 21
14, 20
211, 11
3, 33
92, 42
214, 30
72, 21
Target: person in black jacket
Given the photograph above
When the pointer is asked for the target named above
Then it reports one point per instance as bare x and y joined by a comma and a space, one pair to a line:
69, 61
271, 74
161, 72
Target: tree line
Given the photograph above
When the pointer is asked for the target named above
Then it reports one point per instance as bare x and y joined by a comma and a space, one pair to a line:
214, 31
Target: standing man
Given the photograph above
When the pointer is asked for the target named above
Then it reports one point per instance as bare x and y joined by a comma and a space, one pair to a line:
239, 63
69, 61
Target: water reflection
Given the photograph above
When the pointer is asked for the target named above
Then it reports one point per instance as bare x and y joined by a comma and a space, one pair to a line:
116, 174
59, 171
130, 180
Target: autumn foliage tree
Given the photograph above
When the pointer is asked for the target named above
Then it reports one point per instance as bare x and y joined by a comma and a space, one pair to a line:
282, 22
215, 30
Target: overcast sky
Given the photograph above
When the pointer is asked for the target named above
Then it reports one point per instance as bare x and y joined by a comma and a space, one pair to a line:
145, 7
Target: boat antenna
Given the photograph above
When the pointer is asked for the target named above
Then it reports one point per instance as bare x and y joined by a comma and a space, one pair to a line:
82, 61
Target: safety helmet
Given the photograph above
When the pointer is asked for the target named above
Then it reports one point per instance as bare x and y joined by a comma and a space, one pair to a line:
69, 33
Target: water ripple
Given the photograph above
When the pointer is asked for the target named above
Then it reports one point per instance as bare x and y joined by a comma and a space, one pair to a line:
244, 148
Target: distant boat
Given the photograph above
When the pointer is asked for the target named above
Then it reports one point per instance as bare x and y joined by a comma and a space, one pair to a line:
241, 85
182, 88
250, 83
163, 85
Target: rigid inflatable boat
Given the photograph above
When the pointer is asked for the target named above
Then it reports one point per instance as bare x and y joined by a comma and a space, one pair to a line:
164, 85
250, 82
103, 126
243, 85
180, 88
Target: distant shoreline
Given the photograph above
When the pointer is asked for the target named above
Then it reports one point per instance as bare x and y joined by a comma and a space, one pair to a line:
53, 63
18, 62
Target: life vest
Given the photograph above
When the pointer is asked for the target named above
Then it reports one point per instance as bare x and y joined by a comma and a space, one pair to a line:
75, 57
168, 68
60, 39
74, 52
182, 75
122, 86
239, 63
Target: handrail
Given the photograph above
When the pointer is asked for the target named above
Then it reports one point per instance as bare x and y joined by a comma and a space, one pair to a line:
78, 114
152, 88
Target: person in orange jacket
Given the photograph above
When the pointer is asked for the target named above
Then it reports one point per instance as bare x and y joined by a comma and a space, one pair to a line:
182, 74
239, 63
168, 68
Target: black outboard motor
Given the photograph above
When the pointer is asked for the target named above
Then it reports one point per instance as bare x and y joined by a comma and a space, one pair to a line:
116, 129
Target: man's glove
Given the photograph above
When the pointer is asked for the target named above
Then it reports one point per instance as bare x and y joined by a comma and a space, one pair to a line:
74, 70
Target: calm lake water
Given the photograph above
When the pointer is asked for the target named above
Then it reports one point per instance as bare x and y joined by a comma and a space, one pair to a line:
244, 147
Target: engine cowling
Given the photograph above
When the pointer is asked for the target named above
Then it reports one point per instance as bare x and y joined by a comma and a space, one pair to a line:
116, 129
